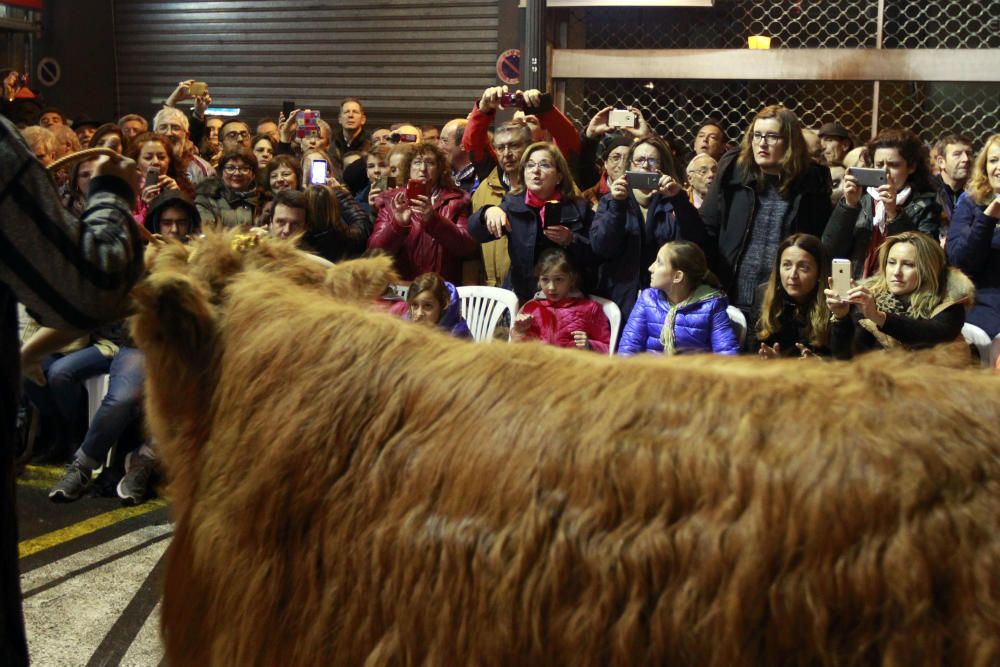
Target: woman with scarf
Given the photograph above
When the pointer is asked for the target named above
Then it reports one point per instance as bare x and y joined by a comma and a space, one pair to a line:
866, 216
544, 211
915, 300
683, 310
423, 226
231, 199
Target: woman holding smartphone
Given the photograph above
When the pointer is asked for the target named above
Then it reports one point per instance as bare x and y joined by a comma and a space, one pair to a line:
546, 210
315, 173
158, 170
907, 201
632, 222
974, 238
915, 300
424, 223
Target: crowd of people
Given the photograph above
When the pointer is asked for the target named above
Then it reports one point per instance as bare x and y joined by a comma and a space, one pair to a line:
678, 237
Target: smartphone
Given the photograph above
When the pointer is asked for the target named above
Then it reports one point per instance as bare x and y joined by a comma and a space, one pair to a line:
308, 124
415, 188
287, 107
152, 176
318, 172
841, 272
868, 178
642, 180
512, 99
623, 118
391, 182
198, 88
553, 214
382, 184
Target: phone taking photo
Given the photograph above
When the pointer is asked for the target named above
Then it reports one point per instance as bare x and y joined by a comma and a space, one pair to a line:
152, 176
841, 274
868, 178
318, 171
415, 188
642, 180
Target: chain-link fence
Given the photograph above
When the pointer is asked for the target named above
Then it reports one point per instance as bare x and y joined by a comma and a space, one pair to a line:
677, 107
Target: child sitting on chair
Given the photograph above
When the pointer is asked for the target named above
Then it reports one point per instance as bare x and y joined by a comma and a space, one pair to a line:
433, 301
683, 310
560, 314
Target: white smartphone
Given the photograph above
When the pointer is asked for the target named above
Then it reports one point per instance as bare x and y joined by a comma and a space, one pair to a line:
622, 118
318, 172
841, 273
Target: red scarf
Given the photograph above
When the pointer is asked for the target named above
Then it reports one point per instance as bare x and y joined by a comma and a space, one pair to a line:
538, 203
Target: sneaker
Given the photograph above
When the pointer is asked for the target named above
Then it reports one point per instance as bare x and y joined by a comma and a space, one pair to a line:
72, 485
134, 486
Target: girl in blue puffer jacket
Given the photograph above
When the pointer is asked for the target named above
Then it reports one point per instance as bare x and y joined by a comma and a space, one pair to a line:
683, 310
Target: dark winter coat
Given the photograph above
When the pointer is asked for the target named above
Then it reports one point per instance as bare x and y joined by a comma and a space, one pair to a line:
974, 247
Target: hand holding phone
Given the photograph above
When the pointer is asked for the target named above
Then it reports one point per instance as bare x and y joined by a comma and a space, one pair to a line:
642, 180
415, 188
198, 88
841, 274
512, 99
623, 118
868, 178
318, 171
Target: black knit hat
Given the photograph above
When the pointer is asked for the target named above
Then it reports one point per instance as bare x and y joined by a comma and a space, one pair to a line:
613, 141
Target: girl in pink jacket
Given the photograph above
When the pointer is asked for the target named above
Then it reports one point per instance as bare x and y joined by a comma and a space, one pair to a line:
560, 314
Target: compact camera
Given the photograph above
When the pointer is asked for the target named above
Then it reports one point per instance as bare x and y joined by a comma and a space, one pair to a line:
623, 118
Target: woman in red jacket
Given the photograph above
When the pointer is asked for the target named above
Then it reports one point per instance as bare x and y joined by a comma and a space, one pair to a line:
424, 226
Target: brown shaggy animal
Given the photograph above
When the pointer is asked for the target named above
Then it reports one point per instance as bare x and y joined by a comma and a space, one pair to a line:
353, 490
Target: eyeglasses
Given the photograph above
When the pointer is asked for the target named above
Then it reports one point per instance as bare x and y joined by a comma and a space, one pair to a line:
616, 158
234, 134
769, 138
544, 166
650, 162
513, 147
233, 170
704, 171
420, 164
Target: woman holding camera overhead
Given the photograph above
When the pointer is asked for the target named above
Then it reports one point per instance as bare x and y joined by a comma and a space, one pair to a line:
915, 300
876, 206
424, 223
544, 211
645, 208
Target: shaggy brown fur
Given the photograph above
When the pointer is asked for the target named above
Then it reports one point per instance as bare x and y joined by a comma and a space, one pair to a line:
355, 490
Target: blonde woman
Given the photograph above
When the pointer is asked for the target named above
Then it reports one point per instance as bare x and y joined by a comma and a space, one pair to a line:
974, 236
916, 300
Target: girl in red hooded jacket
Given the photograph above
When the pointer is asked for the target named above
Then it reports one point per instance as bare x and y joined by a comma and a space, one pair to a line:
560, 314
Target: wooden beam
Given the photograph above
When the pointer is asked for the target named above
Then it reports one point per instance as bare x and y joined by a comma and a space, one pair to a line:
781, 64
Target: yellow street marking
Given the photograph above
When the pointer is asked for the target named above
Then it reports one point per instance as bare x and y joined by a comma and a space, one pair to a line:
47, 473
56, 537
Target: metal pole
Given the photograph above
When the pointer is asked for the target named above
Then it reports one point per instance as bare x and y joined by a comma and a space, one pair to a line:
875, 85
533, 65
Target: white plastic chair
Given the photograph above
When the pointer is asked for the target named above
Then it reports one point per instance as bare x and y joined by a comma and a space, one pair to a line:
97, 389
482, 307
975, 336
739, 321
614, 315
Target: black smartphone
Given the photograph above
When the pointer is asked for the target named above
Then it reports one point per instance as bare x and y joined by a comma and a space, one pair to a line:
552, 213
152, 176
287, 107
642, 180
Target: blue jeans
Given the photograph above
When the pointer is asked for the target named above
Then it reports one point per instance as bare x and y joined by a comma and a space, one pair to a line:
64, 394
121, 405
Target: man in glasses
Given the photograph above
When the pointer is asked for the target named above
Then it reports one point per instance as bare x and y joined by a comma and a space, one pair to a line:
235, 134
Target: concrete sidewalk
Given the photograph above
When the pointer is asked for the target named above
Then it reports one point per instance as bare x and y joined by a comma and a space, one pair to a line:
90, 576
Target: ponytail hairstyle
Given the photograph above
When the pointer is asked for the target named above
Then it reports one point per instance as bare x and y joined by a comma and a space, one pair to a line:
690, 258
817, 315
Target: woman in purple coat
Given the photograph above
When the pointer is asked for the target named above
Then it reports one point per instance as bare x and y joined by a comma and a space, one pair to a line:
684, 309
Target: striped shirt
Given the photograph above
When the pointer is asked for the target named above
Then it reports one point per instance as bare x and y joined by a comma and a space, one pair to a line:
69, 273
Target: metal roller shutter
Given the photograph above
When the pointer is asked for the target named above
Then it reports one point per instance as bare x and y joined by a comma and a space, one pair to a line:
405, 59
